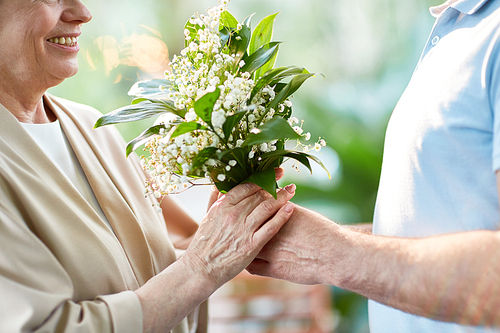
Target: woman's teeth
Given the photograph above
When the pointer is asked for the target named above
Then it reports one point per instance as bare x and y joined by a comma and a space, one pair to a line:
67, 41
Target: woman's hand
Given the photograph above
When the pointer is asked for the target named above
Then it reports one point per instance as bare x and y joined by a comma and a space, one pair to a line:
235, 229
232, 233
215, 195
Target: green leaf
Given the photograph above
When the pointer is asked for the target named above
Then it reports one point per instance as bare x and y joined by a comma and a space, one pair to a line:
205, 105
138, 100
279, 87
257, 59
224, 34
202, 157
267, 66
193, 31
263, 33
298, 156
275, 129
143, 138
238, 43
239, 154
247, 20
227, 20
274, 76
266, 179
317, 160
290, 71
241, 170
231, 122
289, 89
149, 88
144, 109
186, 128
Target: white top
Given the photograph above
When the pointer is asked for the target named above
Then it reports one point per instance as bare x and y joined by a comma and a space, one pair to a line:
52, 140
442, 144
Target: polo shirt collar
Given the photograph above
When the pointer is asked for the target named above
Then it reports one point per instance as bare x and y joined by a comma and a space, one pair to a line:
468, 7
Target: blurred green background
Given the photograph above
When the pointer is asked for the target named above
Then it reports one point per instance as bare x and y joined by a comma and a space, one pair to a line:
366, 50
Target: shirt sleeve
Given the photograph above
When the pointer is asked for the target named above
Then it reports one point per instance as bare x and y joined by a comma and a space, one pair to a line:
490, 78
36, 292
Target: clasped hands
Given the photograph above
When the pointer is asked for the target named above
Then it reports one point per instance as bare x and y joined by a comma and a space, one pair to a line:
242, 230
237, 226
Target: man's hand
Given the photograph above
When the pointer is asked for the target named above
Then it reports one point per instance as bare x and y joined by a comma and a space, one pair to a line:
295, 253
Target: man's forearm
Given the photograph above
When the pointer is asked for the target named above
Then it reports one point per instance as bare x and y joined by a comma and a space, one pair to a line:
365, 228
452, 277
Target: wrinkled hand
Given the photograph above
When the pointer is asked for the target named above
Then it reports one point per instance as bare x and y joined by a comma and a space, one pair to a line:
215, 195
299, 252
235, 229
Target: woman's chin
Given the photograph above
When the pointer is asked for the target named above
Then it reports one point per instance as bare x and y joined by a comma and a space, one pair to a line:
61, 74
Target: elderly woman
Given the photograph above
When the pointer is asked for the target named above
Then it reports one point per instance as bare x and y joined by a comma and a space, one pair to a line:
81, 249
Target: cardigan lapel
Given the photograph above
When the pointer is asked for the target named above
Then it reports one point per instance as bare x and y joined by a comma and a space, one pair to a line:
33, 165
107, 191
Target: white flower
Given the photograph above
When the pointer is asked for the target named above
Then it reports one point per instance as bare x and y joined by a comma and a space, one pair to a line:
298, 130
322, 143
307, 136
218, 118
214, 81
269, 91
238, 81
317, 146
211, 162
199, 69
190, 116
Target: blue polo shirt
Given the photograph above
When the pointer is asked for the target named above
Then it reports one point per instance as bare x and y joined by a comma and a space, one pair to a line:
442, 145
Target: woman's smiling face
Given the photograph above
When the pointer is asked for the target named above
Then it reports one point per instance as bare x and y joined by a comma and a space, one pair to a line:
39, 40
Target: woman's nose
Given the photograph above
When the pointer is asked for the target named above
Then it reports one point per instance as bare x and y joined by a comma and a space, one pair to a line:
76, 11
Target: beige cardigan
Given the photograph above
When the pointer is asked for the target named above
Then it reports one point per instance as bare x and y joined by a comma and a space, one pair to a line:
61, 267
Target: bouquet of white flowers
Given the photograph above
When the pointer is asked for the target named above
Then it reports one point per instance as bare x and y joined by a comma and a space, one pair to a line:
223, 111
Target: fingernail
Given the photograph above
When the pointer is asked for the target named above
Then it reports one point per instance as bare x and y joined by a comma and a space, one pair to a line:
289, 207
290, 188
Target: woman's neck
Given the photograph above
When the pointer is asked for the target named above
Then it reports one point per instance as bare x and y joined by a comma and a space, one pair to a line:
26, 111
